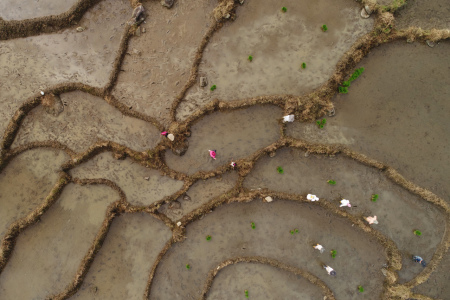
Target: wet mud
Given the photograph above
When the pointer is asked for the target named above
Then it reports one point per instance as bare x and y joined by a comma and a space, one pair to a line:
14, 10
85, 119
261, 282
141, 185
233, 135
392, 112
426, 15
120, 269
25, 183
48, 254
279, 43
232, 235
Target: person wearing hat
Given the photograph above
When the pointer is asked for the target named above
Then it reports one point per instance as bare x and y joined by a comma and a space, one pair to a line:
419, 260
329, 270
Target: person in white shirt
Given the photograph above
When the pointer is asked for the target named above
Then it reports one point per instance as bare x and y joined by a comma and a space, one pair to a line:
329, 270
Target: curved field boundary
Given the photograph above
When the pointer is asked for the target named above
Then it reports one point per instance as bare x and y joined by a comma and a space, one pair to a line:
266, 261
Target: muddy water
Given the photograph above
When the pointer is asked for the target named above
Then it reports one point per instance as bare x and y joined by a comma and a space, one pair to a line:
200, 193
399, 212
358, 262
130, 177
393, 113
85, 120
159, 60
21, 10
26, 182
279, 43
437, 285
47, 255
261, 282
233, 135
121, 268
425, 14
28, 65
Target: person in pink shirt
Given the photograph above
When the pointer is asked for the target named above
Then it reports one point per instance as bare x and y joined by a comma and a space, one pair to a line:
212, 153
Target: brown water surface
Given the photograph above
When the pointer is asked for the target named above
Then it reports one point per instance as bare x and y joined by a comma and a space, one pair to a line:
28, 65
25, 183
261, 282
399, 212
279, 43
85, 120
47, 255
234, 135
393, 113
359, 260
130, 177
120, 270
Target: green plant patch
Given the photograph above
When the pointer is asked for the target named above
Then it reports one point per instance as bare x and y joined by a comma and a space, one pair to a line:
250, 58
346, 83
284, 9
208, 237
253, 225
332, 182
343, 90
292, 232
333, 253
188, 266
324, 28
374, 197
321, 123
296, 230
303, 66
280, 170
213, 87
417, 232
246, 293
360, 288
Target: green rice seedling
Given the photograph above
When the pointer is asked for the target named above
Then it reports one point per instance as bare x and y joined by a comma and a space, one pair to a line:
213, 87
417, 232
292, 232
374, 197
284, 9
246, 293
296, 230
303, 66
333, 253
250, 58
332, 182
360, 288
321, 123
343, 90
253, 225
208, 237
356, 74
346, 83
188, 266
280, 170
324, 28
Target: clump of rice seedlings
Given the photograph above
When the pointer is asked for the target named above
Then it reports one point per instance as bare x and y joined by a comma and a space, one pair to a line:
343, 89
321, 123
294, 231
280, 170
188, 266
417, 232
246, 293
333, 253
253, 225
374, 197
250, 58
213, 87
208, 237
332, 182
303, 65
284, 9
360, 288
324, 28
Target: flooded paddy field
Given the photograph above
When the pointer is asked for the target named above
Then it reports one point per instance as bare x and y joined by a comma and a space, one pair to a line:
109, 110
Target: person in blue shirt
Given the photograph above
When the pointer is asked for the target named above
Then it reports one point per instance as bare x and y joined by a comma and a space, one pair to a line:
420, 260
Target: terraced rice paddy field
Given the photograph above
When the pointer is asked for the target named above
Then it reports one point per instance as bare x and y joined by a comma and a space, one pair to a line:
96, 204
